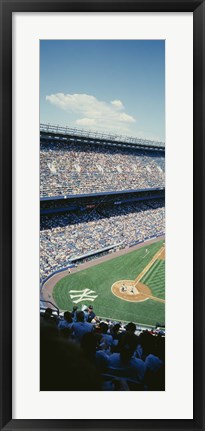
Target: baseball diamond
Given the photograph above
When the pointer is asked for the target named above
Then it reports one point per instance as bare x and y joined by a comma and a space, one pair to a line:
128, 285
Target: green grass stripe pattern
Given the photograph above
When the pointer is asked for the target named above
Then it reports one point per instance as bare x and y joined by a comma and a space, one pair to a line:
155, 279
100, 278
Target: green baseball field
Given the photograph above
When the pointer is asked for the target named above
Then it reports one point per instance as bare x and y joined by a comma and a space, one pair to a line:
130, 287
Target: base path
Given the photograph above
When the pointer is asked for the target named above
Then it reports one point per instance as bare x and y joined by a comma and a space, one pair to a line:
156, 256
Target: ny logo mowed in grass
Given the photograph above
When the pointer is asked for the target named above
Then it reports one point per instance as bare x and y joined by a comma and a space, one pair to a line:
82, 295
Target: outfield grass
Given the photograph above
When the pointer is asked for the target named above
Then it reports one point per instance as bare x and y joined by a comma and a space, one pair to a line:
100, 278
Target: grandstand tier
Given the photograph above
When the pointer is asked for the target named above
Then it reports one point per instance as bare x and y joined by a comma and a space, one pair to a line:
71, 165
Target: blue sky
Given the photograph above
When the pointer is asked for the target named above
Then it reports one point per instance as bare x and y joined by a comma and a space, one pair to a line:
109, 86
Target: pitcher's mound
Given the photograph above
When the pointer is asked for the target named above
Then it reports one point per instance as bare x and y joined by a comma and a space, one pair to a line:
130, 291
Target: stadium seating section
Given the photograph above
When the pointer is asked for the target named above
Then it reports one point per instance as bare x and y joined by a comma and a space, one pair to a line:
73, 169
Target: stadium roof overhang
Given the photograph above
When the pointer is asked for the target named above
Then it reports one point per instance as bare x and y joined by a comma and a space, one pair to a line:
64, 134
78, 196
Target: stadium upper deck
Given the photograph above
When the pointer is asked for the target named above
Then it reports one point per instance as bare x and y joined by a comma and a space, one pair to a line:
90, 163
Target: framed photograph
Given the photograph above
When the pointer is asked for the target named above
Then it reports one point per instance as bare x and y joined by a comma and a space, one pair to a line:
102, 129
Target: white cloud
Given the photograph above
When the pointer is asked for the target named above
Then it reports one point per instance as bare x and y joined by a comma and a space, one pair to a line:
117, 103
90, 111
86, 122
126, 118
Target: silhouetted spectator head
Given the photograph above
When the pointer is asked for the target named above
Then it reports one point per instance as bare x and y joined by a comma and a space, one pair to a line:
80, 316
75, 307
116, 328
131, 327
48, 318
103, 327
48, 313
68, 316
128, 344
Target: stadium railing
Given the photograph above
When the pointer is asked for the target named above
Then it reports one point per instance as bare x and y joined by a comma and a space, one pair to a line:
56, 129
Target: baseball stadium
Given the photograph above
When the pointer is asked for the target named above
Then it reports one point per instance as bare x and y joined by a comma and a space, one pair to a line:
102, 253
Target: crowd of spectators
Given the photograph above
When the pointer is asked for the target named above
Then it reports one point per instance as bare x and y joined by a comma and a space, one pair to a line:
82, 352
71, 234
76, 169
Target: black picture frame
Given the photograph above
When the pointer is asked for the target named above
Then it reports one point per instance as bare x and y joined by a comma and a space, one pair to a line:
7, 8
